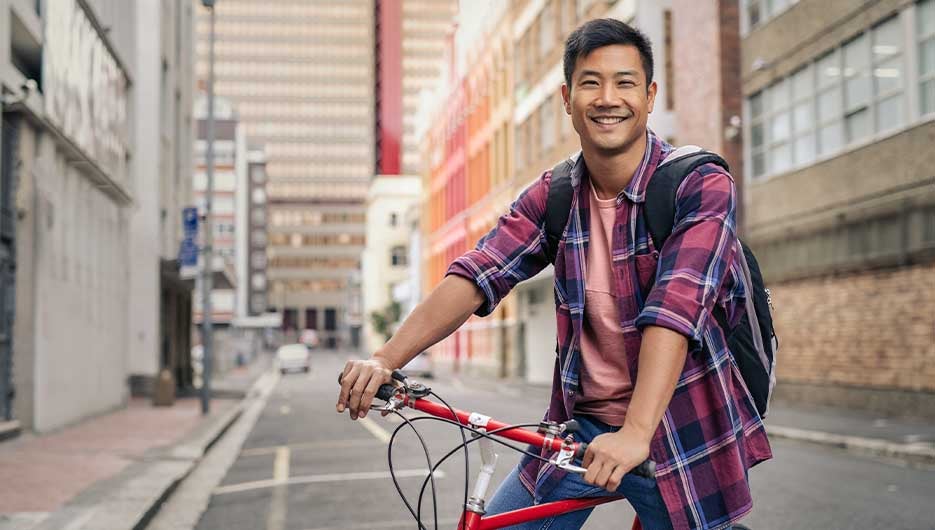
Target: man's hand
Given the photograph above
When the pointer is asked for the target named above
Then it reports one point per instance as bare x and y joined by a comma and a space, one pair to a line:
612, 455
359, 384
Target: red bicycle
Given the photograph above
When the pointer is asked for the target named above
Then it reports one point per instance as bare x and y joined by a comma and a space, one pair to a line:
559, 437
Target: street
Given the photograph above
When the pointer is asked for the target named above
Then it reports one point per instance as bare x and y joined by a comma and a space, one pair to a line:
303, 467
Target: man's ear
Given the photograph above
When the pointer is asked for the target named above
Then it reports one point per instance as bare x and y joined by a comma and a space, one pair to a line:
566, 98
651, 95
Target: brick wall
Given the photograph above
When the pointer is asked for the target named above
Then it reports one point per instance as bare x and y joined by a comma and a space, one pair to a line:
873, 330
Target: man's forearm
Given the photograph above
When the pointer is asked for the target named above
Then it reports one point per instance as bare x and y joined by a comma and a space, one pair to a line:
446, 308
662, 358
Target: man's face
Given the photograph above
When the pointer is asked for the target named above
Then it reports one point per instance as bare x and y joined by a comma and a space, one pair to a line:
608, 99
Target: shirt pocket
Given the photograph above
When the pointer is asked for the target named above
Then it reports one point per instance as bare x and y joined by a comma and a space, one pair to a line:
646, 265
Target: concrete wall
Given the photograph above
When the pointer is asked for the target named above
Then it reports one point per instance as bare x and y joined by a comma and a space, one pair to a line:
81, 267
146, 171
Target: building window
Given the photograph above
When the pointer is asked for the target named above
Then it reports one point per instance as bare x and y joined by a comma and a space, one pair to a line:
259, 196
803, 115
259, 237
857, 89
830, 127
853, 93
394, 219
779, 127
925, 22
547, 125
757, 12
398, 256
258, 216
547, 29
258, 259
888, 71
519, 150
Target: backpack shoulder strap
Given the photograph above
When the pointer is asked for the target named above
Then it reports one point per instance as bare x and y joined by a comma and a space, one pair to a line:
659, 210
558, 205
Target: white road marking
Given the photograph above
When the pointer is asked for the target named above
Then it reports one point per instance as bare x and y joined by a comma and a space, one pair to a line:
327, 477
378, 432
285, 409
276, 518
281, 464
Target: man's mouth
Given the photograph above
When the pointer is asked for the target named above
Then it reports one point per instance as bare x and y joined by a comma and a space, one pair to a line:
607, 120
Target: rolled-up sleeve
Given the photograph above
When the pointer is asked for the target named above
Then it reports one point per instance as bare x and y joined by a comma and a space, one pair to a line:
696, 258
510, 253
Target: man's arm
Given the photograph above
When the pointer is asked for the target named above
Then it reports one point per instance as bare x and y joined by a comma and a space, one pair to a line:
475, 283
445, 309
609, 457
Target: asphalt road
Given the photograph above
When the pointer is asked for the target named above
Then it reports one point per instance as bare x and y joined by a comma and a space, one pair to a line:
304, 467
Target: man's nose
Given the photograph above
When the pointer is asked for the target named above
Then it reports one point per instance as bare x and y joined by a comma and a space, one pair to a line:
608, 97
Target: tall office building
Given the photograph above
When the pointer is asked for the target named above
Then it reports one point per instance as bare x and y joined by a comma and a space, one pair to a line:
302, 77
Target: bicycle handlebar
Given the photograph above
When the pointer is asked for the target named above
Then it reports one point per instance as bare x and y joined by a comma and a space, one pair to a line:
647, 469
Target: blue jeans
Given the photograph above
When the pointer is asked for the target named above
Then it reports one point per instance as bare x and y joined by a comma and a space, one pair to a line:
643, 493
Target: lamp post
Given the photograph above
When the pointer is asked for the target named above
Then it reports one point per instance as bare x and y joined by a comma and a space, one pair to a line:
207, 268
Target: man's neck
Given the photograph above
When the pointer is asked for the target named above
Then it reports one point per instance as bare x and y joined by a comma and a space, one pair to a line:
611, 174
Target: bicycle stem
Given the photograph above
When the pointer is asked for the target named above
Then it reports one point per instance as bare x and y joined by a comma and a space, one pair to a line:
489, 459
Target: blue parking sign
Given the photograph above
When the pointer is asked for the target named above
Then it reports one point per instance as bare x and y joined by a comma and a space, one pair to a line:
190, 221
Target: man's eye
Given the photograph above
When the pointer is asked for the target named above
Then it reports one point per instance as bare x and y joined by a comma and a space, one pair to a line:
627, 83
590, 82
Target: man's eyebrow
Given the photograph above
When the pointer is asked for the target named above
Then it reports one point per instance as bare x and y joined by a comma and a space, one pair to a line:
622, 73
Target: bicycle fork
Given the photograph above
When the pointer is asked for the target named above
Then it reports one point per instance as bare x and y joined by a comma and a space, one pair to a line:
474, 509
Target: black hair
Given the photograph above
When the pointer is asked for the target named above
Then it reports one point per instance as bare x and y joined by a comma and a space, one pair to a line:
601, 32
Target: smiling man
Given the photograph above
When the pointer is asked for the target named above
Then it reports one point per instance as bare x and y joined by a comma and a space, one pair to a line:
642, 365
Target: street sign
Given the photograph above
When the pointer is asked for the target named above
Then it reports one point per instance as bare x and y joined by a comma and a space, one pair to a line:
190, 221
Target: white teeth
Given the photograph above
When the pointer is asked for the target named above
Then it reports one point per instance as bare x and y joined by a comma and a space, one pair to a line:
607, 121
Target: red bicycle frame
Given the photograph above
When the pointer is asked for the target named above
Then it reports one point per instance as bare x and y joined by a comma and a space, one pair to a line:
474, 518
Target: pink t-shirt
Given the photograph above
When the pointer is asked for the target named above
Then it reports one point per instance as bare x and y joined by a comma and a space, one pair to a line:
605, 378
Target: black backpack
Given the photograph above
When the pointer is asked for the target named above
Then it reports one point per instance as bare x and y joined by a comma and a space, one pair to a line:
753, 341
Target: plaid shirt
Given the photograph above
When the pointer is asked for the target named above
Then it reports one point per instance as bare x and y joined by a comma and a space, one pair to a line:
711, 433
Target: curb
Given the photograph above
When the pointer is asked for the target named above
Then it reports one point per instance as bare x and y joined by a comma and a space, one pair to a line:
133, 500
916, 452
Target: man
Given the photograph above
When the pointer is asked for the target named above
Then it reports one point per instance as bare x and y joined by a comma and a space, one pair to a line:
641, 363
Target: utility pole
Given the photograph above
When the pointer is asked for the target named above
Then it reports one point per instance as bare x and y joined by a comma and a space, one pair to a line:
207, 269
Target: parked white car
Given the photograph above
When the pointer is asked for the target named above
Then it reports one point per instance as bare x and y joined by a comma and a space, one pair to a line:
293, 357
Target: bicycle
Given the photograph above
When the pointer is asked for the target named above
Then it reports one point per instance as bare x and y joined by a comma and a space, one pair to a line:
558, 437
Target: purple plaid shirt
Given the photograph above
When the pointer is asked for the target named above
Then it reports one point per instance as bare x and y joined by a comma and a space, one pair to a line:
711, 433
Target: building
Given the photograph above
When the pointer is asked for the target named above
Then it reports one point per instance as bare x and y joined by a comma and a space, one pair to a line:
230, 169
410, 36
707, 114
839, 101
253, 300
159, 299
302, 75
386, 258
86, 307
505, 125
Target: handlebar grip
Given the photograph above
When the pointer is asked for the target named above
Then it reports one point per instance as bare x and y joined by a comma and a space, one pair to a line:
646, 470
386, 391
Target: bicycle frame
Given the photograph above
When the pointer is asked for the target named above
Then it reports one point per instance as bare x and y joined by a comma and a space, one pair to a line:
473, 517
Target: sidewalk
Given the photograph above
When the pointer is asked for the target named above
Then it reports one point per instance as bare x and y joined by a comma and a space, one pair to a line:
111, 471
853, 430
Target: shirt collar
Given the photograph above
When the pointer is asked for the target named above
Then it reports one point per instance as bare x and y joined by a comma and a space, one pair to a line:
655, 152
